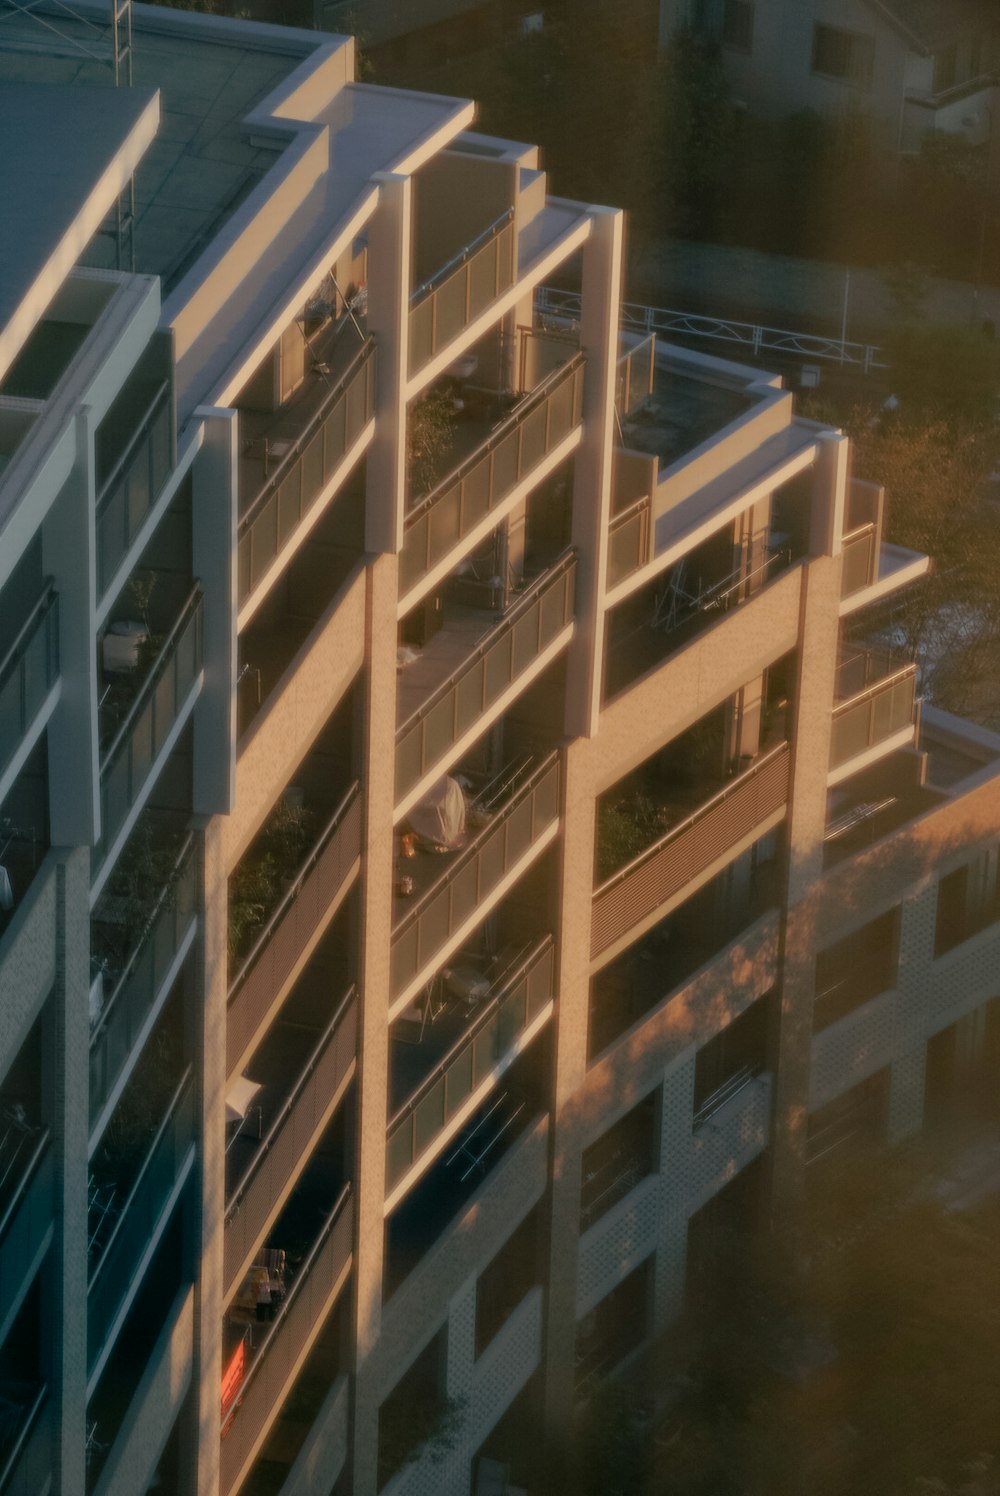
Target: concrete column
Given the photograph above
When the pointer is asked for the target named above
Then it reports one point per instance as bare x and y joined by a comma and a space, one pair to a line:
64, 1304
599, 319
69, 557
378, 775
209, 1022
214, 511
389, 251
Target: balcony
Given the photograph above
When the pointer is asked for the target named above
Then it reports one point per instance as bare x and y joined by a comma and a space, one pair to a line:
28, 672
280, 1156
136, 996
876, 707
435, 714
511, 452
745, 807
26, 1226
286, 1344
137, 1229
731, 1137
26, 1461
129, 492
461, 290
635, 377
291, 932
476, 1058
425, 929
313, 440
155, 712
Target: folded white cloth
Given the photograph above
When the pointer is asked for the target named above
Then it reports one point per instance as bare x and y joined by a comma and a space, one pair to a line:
6, 892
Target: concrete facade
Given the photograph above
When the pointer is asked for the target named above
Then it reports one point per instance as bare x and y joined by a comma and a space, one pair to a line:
437, 791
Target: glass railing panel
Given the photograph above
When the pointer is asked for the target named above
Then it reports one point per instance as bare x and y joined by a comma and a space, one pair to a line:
292, 925
688, 849
298, 1319
489, 474
491, 1037
26, 1465
135, 993
289, 1139
133, 487
635, 375
881, 711
130, 757
628, 541
461, 290
116, 1269
446, 906
294, 487
860, 564
27, 1216
28, 672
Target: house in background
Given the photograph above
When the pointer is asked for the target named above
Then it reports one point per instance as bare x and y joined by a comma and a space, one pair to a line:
911, 65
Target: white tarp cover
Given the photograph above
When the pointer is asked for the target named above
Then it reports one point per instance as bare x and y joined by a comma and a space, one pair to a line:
439, 818
239, 1096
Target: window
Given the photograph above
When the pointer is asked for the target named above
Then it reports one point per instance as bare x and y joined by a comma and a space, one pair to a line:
968, 901
737, 24
726, 1063
856, 969
505, 1282
614, 1328
846, 55
619, 1160
945, 68
856, 1119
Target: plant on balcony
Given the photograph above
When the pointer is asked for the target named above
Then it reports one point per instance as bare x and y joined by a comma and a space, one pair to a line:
430, 439
267, 871
146, 869
418, 1427
624, 829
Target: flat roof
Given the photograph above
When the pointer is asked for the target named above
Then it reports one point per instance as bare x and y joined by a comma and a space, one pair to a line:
66, 155
201, 164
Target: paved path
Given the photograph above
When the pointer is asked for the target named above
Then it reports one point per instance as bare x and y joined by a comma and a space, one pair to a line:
787, 292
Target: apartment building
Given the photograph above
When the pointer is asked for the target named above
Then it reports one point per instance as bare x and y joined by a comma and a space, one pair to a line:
464, 837
910, 66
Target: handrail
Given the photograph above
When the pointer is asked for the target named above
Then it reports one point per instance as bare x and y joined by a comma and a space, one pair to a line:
728, 789
724, 1093
24, 1183
360, 358
139, 434
25, 1428
158, 1136
300, 1277
176, 873
620, 517
268, 1141
521, 603
886, 680
868, 528
289, 897
467, 854
499, 433
38, 609
506, 983
144, 692
441, 274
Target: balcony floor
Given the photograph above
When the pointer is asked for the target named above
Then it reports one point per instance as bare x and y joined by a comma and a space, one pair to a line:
451, 646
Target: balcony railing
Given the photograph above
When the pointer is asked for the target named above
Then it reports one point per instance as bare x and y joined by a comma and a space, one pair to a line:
27, 1218
873, 716
471, 878
277, 512
630, 539
137, 989
635, 376
688, 849
724, 1093
28, 1465
289, 1140
446, 304
141, 1215
860, 565
132, 488
28, 672
463, 1069
296, 1324
292, 926
130, 758
489, 474
537, 617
